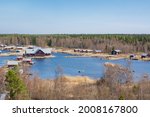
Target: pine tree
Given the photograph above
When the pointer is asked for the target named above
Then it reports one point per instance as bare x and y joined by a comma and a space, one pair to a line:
15, 86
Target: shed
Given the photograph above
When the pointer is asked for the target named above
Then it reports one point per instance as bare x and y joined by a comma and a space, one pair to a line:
115, 52
82, 50
97, 51
77, 50
144, 55
132, 56
148, 55
9, 47
12, 63
20, 48
2, 45
19, 58
27, 60
89, 51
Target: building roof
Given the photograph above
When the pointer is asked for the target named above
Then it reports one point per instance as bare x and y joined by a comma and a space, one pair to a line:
77, 49
15, 63
2, 45
31, 51
118, 50
98, 50
89, 50
8, 47
27, 59
20, 47
34, 50
144, 54
47, 50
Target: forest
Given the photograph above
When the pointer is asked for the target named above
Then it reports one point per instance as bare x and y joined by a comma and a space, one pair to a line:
128, 43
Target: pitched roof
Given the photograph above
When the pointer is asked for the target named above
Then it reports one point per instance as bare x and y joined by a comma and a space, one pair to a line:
27, 59
144, 54
118, 50
12, 63
34, 50
47, 50
98, 50
31, 51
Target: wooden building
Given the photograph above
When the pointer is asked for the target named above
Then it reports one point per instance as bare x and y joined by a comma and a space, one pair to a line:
133, 57
77, 50
38, 52
19, 58
12, 63
144, 55
97, 51
115, 52
28, 61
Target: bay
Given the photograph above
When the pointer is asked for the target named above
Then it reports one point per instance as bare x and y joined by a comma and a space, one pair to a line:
67, 64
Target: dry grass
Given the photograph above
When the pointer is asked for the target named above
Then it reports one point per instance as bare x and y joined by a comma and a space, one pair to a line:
60, 88
117, 84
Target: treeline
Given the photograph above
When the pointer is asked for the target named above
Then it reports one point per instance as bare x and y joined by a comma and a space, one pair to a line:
126, 42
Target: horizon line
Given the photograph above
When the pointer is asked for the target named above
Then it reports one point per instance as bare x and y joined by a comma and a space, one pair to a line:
74, 33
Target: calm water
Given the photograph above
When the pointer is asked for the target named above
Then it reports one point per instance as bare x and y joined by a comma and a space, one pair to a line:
83, 66
4, 59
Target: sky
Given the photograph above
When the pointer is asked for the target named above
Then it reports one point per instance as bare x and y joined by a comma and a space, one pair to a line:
75, 16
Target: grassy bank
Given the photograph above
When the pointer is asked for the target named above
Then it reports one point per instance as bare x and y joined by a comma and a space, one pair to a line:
67, 88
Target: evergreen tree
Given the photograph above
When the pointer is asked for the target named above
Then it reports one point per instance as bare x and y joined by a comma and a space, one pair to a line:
15, 86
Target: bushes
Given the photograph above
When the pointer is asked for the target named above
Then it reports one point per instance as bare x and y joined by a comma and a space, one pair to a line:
82, 88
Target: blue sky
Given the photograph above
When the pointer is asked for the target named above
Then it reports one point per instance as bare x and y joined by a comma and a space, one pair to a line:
74, 16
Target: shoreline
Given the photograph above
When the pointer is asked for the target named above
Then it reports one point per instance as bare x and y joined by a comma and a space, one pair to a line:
21, 54
11, 54
101, 55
